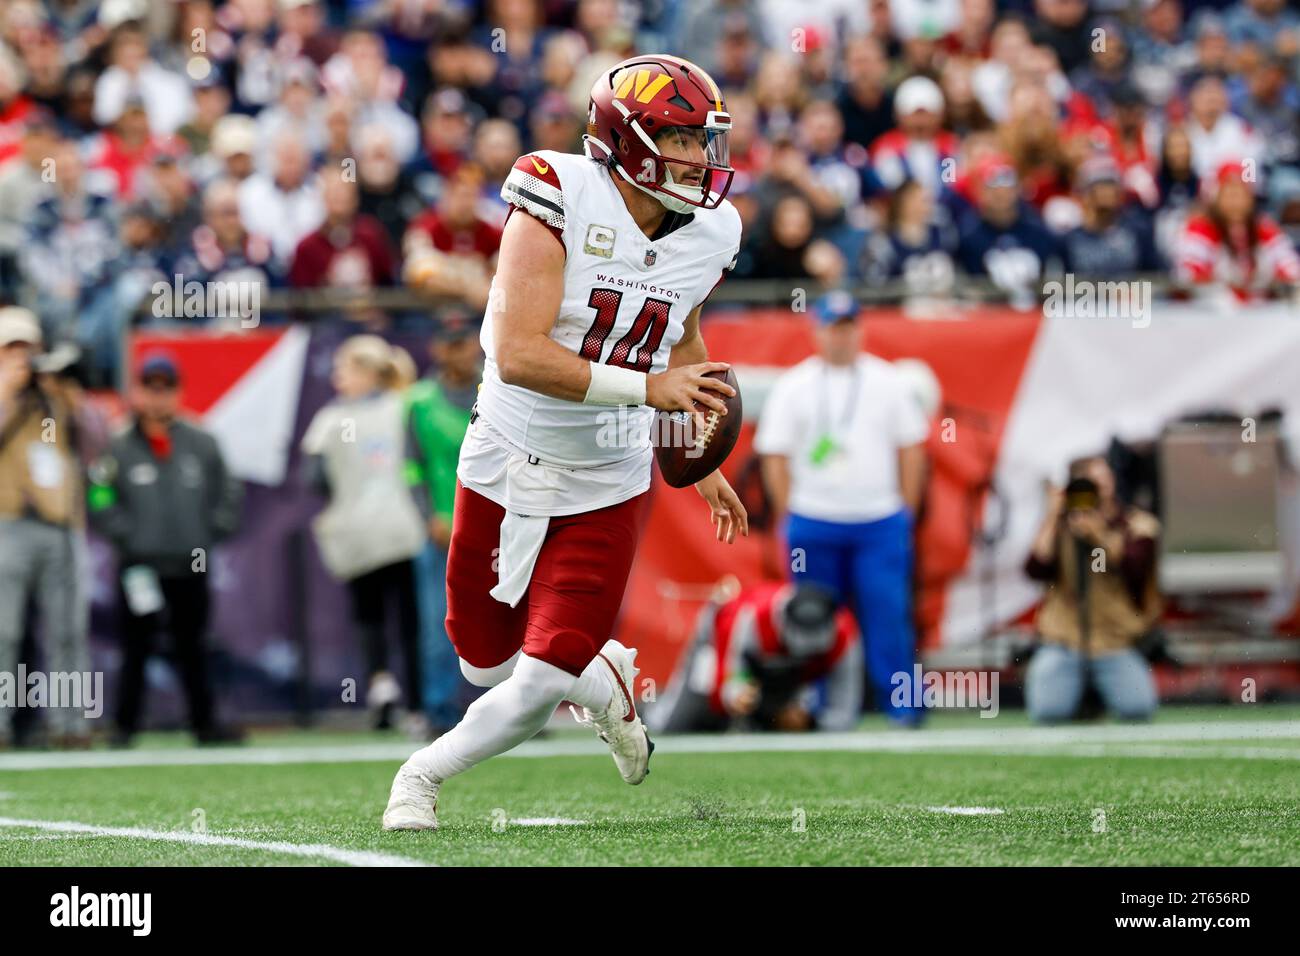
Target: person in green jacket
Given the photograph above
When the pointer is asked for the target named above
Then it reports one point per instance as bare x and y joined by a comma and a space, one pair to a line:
438, 416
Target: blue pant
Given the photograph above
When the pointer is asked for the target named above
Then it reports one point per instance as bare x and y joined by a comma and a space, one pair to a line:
439, 665
1056, 678
868, 567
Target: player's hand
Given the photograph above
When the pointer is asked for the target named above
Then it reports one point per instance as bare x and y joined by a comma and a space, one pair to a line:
728, 514
678, 389
740, 697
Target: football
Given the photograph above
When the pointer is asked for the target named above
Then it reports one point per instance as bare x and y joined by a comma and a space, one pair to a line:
685, 457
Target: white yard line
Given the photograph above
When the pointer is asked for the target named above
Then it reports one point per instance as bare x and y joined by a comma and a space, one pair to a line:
547, 822
1109, 740
968, 811
319, 851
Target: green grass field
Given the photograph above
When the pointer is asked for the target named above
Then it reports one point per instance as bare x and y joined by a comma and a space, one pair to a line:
1197, 787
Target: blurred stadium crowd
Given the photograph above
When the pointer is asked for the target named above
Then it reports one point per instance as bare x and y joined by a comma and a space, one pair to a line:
913, 140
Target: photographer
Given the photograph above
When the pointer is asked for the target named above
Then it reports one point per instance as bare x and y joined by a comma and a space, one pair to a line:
759, 660
41, 522
1097, 558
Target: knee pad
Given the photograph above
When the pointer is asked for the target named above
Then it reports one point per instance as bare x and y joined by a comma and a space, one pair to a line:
489, 676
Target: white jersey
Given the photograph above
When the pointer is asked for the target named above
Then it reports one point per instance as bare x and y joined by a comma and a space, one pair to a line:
626, 300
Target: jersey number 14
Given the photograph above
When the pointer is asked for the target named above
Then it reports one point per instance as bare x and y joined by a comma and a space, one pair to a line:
646, 333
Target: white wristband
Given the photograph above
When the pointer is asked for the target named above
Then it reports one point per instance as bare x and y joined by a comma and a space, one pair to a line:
612, 385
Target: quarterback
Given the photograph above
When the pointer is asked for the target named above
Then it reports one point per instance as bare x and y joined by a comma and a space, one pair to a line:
604, 265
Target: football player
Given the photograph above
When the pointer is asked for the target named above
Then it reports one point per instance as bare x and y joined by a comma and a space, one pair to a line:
757, 654
591, 325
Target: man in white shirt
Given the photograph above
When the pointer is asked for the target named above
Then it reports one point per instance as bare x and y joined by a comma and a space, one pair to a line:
844, 463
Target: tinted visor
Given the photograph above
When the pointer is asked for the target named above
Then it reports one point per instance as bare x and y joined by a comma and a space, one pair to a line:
697, 145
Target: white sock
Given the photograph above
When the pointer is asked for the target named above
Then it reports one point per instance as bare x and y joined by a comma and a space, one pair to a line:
500, 720
594, 687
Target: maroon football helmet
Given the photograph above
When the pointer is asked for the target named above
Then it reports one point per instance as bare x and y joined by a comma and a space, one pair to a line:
636, 102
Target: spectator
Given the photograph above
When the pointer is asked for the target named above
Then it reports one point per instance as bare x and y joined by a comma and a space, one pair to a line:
133, 75
1161, 50
348, 251
360, 73
168, 189
912, 247
451, 250
234, 140
1233, 247
754, 658
163, 498
1031, 136
221, 249
1135, 141
788, 247
370, 531
735, 56
496, 147
1002, 239
919, 147
844, 465
863, 99
304, 31
1097, 558
71, 240
1266, 24
1216, 135
388, 191
963, 113
1009, 44
556, 124
24, 182
1178, 188
42, 520
447, 133
438, 409
284, 204
298, 112
1113, 239
255, 66
126, 149
211, 104
1063, 26
139, 264
1270, 103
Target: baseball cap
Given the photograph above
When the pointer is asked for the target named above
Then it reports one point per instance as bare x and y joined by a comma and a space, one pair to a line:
234, 134
454, 326
995, 171
19, 325
1095, 170
917, 93
159, 365
836, 306
809, 620
114, 13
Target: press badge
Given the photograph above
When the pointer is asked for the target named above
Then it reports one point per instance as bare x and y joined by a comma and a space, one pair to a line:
822, 451
143, 590
45, 465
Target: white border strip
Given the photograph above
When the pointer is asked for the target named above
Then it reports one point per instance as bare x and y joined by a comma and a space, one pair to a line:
312, 850
1106, 740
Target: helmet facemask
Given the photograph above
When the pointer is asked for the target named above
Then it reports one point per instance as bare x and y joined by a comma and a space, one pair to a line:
710, 140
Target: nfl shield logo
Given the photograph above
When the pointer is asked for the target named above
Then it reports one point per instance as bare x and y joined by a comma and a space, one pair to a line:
650, 257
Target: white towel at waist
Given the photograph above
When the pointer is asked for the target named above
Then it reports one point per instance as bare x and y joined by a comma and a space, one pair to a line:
522, 537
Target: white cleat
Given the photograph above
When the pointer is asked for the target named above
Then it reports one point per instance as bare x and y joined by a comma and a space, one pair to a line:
413, 804
619, 725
